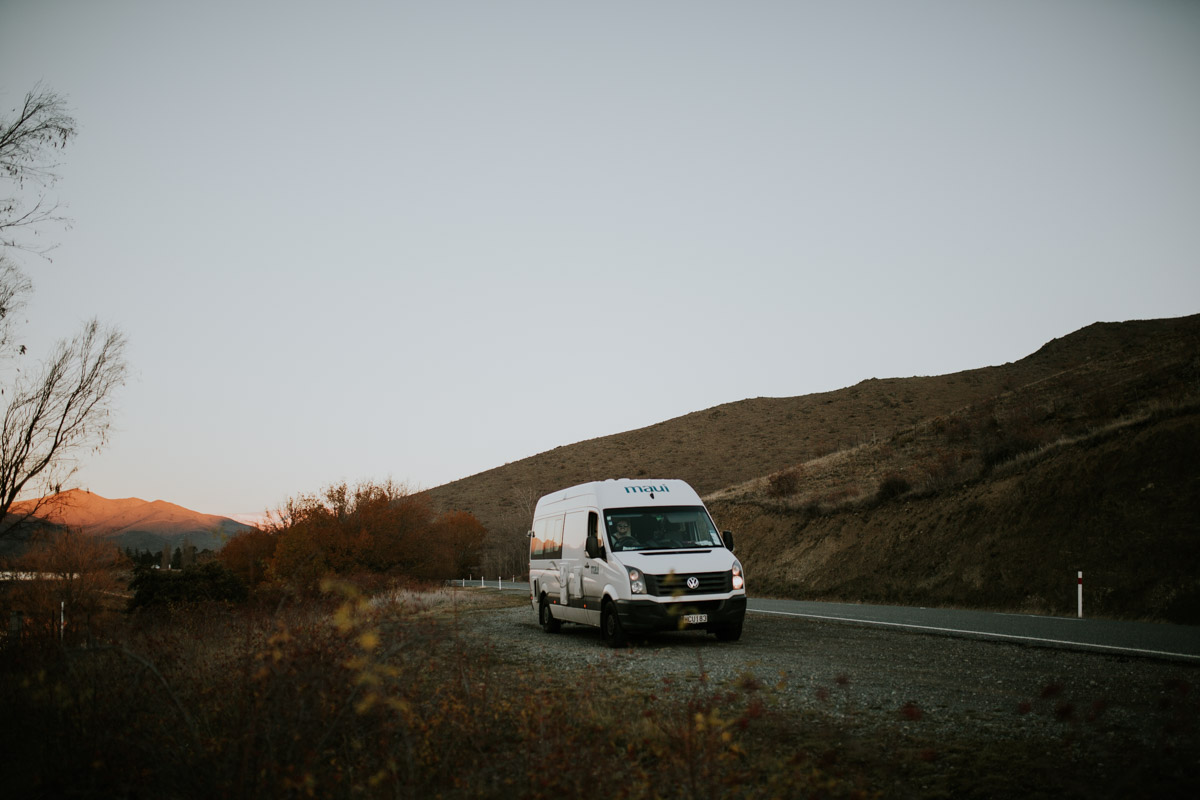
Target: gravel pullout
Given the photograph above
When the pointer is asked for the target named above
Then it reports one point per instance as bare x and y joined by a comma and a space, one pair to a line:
893, 683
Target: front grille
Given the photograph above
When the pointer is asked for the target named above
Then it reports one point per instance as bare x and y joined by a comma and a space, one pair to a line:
676, 584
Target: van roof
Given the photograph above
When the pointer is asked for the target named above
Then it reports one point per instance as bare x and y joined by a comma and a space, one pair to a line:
625, 492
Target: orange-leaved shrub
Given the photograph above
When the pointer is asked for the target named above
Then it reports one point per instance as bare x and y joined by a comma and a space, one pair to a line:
370, 528
71, 588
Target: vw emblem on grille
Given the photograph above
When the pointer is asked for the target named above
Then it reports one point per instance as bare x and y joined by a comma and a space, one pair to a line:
693, 582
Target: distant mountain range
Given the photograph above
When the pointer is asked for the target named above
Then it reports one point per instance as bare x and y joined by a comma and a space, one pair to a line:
130, 522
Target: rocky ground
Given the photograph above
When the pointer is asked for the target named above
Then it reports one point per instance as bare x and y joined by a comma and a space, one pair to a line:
923, 715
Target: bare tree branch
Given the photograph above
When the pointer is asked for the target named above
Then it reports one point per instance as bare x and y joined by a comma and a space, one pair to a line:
39, 126
14, 288
52, 412
58, 412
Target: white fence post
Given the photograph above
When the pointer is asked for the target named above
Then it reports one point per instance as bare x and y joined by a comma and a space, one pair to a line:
1081, 594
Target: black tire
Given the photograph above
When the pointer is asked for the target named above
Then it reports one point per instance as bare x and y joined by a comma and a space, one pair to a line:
729, 633
610, 626
546, 619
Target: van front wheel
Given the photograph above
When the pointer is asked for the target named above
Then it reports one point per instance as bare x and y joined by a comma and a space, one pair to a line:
610, 626
730, 633
548, 622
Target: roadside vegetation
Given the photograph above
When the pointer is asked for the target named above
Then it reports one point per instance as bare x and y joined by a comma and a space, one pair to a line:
369, 528
351, 693
394, 692
300, 665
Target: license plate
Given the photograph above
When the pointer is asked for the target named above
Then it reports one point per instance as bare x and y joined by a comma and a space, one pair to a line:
695, 619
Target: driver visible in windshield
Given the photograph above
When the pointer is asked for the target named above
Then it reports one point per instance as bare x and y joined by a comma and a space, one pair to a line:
666, 528
623, 536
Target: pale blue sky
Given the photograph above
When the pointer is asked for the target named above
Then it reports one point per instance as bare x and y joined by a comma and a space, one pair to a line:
419, 240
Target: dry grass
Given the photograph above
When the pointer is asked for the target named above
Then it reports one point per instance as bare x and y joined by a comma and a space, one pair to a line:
934, 432
940, 454
1119, 504
445, 601
362, 697
978, 489
384, 697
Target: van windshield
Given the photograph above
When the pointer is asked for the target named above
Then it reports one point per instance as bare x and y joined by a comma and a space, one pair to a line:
663, 528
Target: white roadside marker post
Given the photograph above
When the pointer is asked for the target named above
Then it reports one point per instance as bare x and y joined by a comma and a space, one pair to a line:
1081, 594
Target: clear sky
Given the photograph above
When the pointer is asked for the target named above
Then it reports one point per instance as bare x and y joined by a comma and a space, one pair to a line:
362, 240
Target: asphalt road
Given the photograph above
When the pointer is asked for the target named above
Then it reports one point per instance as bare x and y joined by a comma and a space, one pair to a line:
1149, 639
1153, 639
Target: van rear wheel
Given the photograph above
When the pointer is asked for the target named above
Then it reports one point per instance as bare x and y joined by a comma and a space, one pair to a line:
546, 619
610, 626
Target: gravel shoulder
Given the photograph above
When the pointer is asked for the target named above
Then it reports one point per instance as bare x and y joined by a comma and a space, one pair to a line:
898, 690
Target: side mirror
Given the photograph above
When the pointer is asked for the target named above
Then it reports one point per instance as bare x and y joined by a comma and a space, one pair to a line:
727, 537
593, 548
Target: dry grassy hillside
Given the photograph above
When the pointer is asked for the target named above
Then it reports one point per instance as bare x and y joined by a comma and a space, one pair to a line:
892, 441
1122, 505
1104, 375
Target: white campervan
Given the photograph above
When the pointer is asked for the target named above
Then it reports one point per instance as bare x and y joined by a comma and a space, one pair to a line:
633, 556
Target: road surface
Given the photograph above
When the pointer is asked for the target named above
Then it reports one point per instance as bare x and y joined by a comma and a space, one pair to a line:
1150, 639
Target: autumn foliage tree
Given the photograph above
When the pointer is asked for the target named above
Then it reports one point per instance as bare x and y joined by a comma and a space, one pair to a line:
248, 556
73, 586
376, 528
462, 536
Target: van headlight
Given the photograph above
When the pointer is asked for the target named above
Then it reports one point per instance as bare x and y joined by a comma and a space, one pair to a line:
637, 584
738, 581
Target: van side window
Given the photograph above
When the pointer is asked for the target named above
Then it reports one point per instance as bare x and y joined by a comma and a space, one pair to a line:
554, 538
574, 533
537, 544
593, 532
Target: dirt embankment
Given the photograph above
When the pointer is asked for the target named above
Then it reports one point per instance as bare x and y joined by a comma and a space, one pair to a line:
1123, 507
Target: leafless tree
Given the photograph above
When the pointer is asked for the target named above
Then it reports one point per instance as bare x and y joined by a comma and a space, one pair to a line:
14, 288
58, 412
40, 126
50, 413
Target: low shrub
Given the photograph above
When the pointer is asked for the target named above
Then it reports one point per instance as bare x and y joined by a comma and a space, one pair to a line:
211, 582
1006, 447
783, 484
893, 485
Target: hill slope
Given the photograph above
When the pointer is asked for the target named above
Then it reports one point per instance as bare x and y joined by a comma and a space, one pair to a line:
885, 444
1122, 505
132, 522
1105, 363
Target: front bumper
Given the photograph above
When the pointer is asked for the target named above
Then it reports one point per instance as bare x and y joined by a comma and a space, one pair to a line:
643, 616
